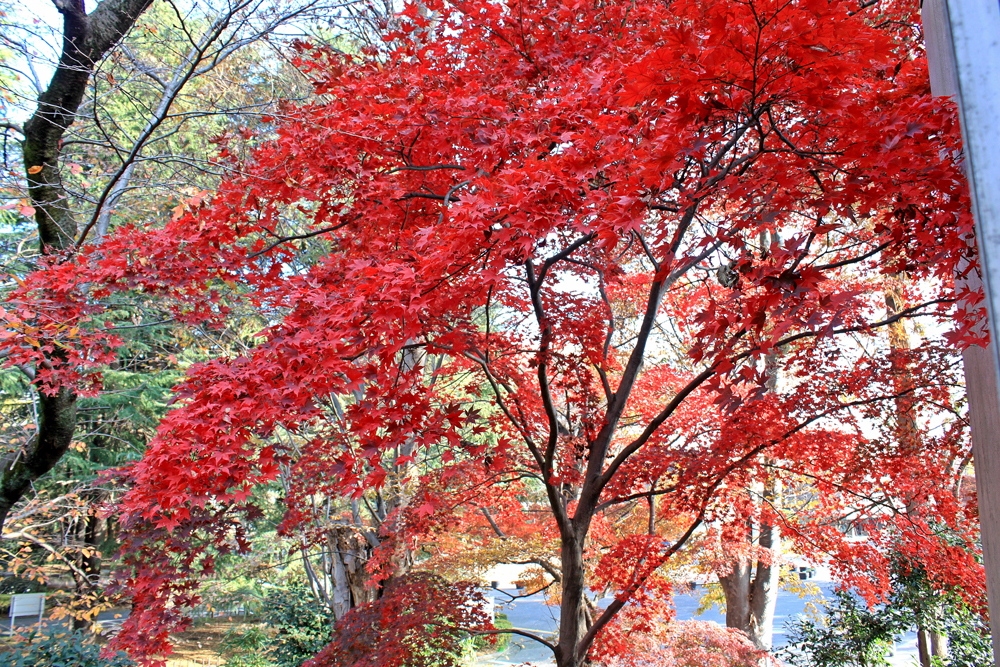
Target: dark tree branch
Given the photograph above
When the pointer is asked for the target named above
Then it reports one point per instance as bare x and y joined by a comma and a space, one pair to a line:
86, 39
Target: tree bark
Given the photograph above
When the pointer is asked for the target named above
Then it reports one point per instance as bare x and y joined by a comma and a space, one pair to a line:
764, 595
751, 597
86, 40
573, 617
939, 644
923, 647
750, 602
736, 587
93, 534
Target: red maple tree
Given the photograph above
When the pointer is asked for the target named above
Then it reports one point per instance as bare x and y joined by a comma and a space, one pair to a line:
603, 218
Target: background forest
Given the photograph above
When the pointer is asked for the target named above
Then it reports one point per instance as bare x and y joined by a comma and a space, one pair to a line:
317, 312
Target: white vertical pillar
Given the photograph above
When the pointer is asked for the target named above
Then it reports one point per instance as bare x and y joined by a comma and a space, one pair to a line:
963, 53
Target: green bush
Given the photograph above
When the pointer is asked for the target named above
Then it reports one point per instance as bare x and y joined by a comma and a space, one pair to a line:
851, 635
75, 649
486, 642
303, 625
247, 646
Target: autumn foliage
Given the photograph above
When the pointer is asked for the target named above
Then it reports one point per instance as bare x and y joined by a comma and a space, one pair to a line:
419, 620
602, 219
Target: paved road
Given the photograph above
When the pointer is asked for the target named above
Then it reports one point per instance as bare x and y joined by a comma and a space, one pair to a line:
533, 614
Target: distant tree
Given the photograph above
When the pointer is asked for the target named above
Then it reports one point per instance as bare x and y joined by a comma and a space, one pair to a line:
122, 134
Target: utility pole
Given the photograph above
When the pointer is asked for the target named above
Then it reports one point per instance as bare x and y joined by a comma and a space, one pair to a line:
963, 55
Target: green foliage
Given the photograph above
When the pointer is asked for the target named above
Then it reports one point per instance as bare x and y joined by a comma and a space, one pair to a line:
303, 625
75, 649
494, 642
851, 635
916, 602
969, 640
247, 646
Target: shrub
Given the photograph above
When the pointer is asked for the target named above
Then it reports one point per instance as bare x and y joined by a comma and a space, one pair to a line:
303, 625
851, 635
494, 642
74, 649
247, 646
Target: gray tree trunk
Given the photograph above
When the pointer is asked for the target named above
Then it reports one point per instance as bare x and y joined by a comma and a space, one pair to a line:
764, 594
751, 589
573, 616
737, 588
750, 603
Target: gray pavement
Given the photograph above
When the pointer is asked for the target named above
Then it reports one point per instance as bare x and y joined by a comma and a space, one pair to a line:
532, 614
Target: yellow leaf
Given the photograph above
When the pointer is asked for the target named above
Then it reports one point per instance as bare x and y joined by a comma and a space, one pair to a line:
34, 170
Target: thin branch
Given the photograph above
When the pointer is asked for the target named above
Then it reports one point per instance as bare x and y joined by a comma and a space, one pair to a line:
7, 125
493, 524
285, 239
513, 631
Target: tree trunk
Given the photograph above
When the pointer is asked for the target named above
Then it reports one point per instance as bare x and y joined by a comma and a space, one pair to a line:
340, 597
907, 433
751, 596
923, 647
764, 596
573, 616
737, 588
939, 644
94, 531
750, 603
86, 40
56, 425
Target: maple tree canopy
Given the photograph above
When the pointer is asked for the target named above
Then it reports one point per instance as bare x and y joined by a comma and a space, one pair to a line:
604, 219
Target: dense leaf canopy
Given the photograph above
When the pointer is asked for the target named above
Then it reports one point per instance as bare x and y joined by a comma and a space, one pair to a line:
609, 222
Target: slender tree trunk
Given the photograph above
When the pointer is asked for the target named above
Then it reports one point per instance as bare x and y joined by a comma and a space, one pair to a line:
907, 434
939, 644
930, 643
923, 647
93, 534
340, 598
764, 596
